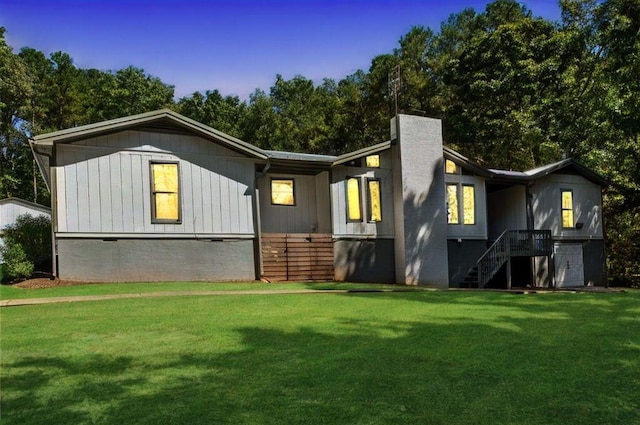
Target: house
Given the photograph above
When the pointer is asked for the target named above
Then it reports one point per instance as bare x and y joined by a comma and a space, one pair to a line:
158, 196
12, 208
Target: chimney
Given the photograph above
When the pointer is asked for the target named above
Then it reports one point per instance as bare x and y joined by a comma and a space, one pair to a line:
419, 202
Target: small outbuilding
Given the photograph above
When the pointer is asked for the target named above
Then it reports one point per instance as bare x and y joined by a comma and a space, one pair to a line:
12, 208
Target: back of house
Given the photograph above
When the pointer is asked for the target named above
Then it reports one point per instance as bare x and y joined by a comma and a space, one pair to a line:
160, 197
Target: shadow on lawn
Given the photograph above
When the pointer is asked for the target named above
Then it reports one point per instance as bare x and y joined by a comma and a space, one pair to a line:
356, 371
579, 305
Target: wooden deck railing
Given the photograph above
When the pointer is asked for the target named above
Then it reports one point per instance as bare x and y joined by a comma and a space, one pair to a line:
512, 243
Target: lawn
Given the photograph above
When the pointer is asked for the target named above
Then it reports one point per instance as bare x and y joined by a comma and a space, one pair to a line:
357, 358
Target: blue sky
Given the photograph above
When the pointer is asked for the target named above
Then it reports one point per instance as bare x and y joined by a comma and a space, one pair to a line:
233, 46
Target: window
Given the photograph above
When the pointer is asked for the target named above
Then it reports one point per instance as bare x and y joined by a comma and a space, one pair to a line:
282, 192
353, 199
567, 209
373, 161
468, 205
465, 198
165, 192
450, 167
375, 206
452, 204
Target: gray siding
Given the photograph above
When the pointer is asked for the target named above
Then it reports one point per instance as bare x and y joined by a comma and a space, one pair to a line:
364, 260
419, 202
507, 210
587, 206
479, 229
343, 228
311, 211
107, 190
593, 252
135, 260
462, 257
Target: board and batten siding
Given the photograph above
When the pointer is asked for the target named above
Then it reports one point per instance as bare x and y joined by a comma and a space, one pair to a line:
311, 211
587, 206
344, 228
103, 186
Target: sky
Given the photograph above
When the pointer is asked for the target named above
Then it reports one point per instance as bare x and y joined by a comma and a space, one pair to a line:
232, 46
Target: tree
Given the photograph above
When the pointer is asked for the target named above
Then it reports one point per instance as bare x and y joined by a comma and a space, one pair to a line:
16, 161
222, 113
135, 92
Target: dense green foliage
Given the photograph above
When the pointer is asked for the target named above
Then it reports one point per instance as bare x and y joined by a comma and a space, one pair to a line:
381, 358
514, 91
27, 246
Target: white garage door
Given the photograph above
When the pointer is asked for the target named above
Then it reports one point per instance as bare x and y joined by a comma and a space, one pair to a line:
569, 265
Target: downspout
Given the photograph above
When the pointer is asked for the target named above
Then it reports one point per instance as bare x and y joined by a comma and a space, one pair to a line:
258, 220
54, 210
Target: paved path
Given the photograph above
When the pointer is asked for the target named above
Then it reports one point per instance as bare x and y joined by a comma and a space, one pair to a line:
80, 298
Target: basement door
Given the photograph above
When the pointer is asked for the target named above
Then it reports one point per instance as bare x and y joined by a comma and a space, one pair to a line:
569, 265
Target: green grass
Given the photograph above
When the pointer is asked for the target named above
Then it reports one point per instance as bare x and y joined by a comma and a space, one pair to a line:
358, 358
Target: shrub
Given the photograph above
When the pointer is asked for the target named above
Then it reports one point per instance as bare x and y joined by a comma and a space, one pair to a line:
27, 246
16, 264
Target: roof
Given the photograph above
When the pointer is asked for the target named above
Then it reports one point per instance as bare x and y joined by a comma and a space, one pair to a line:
167, 120
27, 204
370, 150
158, 120
569, 164
465, 162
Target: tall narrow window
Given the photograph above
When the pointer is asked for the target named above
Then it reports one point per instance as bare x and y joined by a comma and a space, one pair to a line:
354, 212
453, 211
282, 192
375, 207
468, 205
567, 209
165, 189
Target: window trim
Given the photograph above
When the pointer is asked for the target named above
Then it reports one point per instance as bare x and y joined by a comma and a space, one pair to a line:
562, 210
369, 200
457, 186
366, 160
346, 193
155, 220
293, 190
460, 203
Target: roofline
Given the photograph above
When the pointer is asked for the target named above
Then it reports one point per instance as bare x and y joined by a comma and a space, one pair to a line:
546, 170
26, 203
369, 150
89, 130
462, 160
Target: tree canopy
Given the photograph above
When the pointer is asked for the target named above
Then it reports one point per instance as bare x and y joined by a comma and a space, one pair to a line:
514, 91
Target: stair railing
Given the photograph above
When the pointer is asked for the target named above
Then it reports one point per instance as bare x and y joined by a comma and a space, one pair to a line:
491, 261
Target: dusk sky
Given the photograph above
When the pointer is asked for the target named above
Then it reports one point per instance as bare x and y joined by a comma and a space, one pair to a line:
232, 46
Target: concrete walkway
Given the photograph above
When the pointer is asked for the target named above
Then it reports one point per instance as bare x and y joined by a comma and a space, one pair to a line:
80, 298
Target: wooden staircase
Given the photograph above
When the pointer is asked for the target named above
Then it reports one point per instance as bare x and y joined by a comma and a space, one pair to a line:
511, 243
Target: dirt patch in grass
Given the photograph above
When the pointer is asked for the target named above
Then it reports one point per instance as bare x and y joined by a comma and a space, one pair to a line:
45, 282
